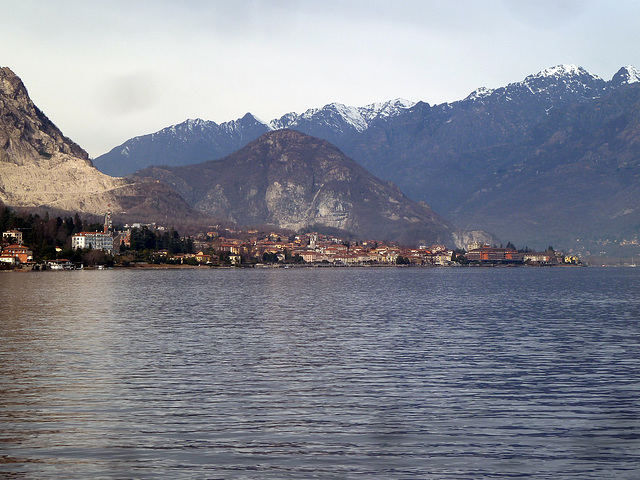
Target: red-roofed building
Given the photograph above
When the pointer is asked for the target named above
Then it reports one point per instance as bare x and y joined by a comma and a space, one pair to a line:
14, 254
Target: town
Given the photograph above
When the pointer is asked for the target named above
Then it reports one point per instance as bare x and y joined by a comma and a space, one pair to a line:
140, 245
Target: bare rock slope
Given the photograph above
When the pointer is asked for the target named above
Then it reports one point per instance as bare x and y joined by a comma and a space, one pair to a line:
40, 167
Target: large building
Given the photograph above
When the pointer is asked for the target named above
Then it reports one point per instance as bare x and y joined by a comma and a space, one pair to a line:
494, 255
94, 240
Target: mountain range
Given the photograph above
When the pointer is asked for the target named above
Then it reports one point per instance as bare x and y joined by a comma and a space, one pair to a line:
554, 158
284, 179
549, 158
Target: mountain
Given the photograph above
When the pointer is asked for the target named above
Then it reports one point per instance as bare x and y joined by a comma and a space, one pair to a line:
292, 180
448, 151
41, 168
574, 179
453, 155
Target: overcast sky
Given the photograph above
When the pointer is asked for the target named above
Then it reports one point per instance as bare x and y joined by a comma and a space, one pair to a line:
104, 72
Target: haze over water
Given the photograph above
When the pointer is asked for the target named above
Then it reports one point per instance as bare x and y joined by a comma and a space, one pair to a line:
321, 373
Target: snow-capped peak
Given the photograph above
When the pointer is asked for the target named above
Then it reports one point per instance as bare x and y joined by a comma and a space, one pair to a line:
194, 122
560, 71
351, 115
359, 118
479, 93
627, 74
386, 109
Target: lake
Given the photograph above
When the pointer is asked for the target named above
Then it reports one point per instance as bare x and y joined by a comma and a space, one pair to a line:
321, 373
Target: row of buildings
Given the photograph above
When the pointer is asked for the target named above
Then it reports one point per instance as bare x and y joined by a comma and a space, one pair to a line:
315, 248
312, 248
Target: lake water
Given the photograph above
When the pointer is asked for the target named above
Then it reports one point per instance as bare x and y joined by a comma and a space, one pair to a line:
321, 373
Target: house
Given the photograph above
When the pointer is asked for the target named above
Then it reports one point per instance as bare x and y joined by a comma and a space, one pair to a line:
202, 258
542, 258
7, 258
344, 259
443, 258
61, 264
572, 259
311, 256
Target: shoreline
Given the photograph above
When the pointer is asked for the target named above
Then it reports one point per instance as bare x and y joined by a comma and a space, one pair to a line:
286, 266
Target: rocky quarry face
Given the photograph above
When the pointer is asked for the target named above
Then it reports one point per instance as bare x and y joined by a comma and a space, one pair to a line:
40, 167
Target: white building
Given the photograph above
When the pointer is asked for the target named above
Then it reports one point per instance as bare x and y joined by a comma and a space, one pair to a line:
13, 235
94, 240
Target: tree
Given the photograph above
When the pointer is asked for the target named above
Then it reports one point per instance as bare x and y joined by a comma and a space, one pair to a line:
269, 257
143, 239
77, 224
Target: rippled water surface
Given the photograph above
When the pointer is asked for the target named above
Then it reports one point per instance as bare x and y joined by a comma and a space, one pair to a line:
321, 373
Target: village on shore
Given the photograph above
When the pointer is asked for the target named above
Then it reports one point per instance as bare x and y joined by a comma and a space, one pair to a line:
152, 245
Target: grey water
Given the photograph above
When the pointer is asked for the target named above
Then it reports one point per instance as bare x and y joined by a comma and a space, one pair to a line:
334, 373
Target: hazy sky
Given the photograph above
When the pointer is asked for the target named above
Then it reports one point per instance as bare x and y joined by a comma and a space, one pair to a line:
106, 71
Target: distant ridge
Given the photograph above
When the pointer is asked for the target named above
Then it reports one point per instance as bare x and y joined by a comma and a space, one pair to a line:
197, 140
194, 141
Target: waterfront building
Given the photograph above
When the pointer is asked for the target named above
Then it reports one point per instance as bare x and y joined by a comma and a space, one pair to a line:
94, 240
494, 255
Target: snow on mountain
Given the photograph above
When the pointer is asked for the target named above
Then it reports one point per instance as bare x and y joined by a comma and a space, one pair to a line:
571, 77
555, 83
626, 75
198, 139
389, 109
633, 74
283, 122
334, 114
479, 94
561, 71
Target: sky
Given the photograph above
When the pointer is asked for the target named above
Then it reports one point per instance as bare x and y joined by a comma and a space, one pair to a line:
105, 72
